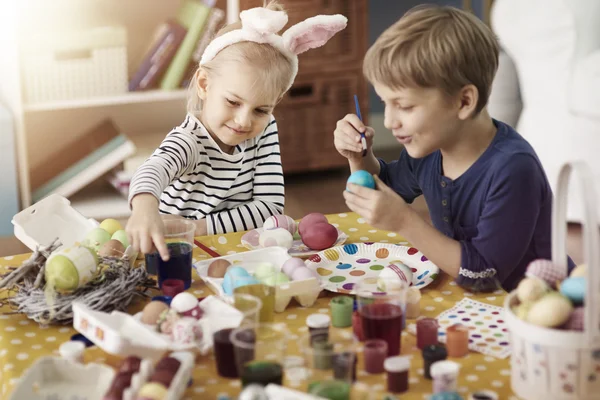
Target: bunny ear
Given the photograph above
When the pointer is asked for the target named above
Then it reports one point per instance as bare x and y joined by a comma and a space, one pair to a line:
313, 32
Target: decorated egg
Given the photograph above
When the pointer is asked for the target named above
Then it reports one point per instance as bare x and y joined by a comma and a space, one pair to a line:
121, 236
112, 248
531, 289
281, 221
277, 279
111, 226
232, 273
361, 178
290, 265
550, 311
392, 275
309, 220
251, 237
70, 268
96, 238
264, 270
575, 322
167, 319
320, 236
580, 270
276, 237
152, 312
547, 271
217, 268
302, 273
574, 289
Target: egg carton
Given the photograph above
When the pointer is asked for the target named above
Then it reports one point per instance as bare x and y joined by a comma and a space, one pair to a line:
59, 378
305, 291
178, 384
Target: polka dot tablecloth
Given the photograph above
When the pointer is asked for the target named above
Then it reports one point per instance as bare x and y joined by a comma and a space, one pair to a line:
22, 341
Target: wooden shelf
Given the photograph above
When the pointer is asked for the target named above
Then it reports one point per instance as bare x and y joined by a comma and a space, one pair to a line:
152, 96
100, 202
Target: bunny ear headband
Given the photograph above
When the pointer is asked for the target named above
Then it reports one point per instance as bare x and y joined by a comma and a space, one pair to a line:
260, 25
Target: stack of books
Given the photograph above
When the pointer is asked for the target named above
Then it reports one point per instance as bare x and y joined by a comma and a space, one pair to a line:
177, 46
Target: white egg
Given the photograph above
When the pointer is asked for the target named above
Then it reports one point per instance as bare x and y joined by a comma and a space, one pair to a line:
276, 237
183, 302
550, 311
531, 289
394, 274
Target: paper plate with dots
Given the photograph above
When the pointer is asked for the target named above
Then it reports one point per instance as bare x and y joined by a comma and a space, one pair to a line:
340, 268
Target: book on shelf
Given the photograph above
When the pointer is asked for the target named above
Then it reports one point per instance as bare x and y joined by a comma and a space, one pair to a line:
193, 16
213, 24
164, 46
81, 161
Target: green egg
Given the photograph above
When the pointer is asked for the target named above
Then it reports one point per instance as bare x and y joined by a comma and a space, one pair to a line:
61, 273
264, 270
121, 236
277, 279
96, 238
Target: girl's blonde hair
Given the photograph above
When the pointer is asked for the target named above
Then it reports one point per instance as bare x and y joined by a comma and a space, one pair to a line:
435, 47
273, 69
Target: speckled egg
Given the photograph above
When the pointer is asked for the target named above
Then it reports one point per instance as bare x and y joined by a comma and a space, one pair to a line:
183, 302
531, 289
276, 237
547, 271
281, 221
152, 312
217, 268
290, 265
574, 289
302, 273
550, 311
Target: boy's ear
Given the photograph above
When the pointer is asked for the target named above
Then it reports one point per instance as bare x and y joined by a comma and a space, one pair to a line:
202, 83
468, 97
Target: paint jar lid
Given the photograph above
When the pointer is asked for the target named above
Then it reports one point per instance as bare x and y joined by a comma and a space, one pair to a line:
397, 363
484, 395
435, 352
318, 321
445, 367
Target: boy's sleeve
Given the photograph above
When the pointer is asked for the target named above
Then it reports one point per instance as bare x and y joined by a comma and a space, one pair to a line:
268, 194
174, 157
506, 226
400, 176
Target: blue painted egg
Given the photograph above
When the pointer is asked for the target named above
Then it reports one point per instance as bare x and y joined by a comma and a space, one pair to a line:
232, 271
362, 178
574, 289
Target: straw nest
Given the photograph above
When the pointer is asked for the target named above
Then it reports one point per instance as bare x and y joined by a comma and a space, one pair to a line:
114, 287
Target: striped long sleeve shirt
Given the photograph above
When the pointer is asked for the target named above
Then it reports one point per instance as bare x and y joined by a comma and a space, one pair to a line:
192, 177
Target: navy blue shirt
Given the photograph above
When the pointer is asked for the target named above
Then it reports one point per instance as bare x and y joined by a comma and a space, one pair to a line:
500, 209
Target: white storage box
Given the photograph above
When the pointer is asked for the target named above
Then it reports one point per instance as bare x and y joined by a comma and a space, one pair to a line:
553, 363
75, 65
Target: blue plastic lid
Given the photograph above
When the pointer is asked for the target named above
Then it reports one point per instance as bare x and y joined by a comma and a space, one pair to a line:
165, 299
81, 338
446, 396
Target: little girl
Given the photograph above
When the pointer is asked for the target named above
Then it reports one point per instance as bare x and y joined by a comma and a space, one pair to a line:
222, 165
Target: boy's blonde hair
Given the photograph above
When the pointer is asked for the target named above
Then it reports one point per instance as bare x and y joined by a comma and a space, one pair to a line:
273, 69
435, 47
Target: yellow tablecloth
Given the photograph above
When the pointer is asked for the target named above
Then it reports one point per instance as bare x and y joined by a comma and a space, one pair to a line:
22, 341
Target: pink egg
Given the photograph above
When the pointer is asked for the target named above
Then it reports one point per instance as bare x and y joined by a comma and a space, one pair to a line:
302, 273
281, 221
290, 265
547, 271
251, 237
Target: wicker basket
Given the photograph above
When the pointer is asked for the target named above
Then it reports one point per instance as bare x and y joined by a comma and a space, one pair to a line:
551, 363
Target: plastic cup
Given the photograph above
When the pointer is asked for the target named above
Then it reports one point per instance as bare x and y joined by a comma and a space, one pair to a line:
427, 332
382, 312
397, 368
179, 237
445, 376
249, 306
264, 292
172, 287
259, 353
375, 353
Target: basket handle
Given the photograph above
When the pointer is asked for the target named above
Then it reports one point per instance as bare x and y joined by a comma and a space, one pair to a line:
591, 243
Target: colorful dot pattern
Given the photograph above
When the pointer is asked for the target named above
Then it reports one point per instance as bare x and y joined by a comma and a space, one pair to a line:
340, 268
488, 333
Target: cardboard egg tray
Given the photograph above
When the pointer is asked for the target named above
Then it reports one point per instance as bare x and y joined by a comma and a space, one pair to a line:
305, 291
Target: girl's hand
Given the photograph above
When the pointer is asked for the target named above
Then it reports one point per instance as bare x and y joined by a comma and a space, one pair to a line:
145, 228
347, 140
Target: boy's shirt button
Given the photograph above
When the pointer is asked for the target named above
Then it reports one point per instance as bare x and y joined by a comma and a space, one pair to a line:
443, 183
444, 202
446, 219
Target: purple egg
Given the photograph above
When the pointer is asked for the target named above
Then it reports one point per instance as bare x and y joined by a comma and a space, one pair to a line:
302, 273
290, 265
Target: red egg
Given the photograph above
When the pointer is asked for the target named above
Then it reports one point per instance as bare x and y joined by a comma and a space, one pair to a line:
310, 219
320, 236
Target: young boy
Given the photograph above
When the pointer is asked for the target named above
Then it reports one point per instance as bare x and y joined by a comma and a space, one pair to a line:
487, 193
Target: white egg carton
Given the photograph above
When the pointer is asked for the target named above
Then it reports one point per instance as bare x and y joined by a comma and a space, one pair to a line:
305, 291
178, 384
59, 378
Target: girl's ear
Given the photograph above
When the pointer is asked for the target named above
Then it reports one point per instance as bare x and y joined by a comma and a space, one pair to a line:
202, 83
313, 32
